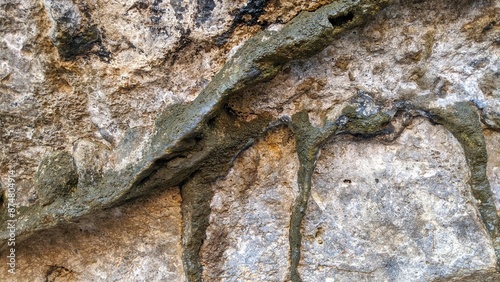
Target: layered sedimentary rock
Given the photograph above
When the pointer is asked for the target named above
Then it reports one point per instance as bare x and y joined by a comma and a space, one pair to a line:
251, 141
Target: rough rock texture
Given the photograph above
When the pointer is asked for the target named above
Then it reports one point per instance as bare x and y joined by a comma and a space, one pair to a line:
389, 212
250, 218
493, 146
251, 140
140, 241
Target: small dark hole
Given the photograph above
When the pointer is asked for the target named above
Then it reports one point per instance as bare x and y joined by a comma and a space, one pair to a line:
211, 122
341, 19
489, 26
347, 181
229, 110
198, 138
161, 162
376, 180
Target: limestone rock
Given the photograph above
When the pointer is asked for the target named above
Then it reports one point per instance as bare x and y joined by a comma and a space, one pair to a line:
491, 114
137, 242
388, 212
253, 140
56, 177
91, 160
493, 146
250, 218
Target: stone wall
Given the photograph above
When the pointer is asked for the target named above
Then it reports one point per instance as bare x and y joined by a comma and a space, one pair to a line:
259, 140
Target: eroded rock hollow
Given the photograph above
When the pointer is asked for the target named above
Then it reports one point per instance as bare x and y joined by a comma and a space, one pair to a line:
347, 140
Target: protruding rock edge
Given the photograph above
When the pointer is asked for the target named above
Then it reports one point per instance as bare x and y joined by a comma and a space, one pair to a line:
463, 121
179, 128
460, 119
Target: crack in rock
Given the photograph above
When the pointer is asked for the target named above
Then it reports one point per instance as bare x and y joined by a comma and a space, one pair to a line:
258, 60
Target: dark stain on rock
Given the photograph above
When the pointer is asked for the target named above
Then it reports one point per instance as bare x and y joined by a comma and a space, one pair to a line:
182, 43
340, 20
156, 12
248, 15
72, 45
489, 26
103, 53
55, 177
2, 201
73, 32
204, 11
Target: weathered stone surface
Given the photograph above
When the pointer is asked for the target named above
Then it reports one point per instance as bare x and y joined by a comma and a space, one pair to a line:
137, 242
247, 239
491, 113
393, 212
144, 96
92, 160
180, 127
493, 171
56, 178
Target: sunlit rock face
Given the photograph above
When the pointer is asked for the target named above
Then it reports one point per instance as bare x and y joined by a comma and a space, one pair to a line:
251, 140
250, 219
393, 212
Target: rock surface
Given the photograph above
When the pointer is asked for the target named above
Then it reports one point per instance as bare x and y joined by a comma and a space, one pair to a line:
250, 141
389, 212
137, 242
250, 218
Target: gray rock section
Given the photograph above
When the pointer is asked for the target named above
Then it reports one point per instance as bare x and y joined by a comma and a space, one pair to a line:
400, 211
56, 178
493, 170
89, 90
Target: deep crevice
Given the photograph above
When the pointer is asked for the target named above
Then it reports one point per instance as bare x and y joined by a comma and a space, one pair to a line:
340, 20
196, 190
